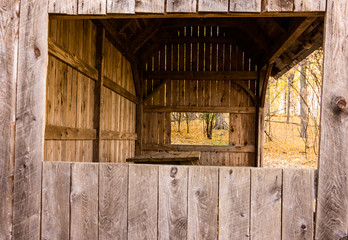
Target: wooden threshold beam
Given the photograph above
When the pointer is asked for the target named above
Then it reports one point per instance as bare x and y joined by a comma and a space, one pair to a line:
53, 132
235, 110
59, 52
202, 148
119, 90
202, 75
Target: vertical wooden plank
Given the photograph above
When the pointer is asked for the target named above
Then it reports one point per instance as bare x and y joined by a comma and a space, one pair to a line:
298, 204
213, 5
62, 7
94, 7
30, 118
202, 203
55, 200
123, 6
277, 5
149, 6
332, 208
234, 203
172, 215
98, 94
309, 5
9, 20
181, 6
245, 6
266, 200
113, 203
142, 202
84, 201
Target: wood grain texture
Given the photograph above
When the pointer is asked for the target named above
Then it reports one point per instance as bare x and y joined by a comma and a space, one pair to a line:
213, 5
94, 7
62, 7
332, 208
113, 203
277, 5
245, 5
202, 203
298, 204
55, 200
8, 78
120, 6
30, 118
309, 5
142, 202
234, 203
172, 215
149, 6
181, 6
72, 60
266, 200
84, 201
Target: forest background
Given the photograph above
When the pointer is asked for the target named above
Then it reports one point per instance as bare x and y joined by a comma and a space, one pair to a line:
292, 119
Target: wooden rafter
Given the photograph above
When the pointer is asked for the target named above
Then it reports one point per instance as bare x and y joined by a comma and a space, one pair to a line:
296, 28
157, 89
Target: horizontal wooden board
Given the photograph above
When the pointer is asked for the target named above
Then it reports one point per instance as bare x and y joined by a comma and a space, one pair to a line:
209, 75
181, 6
65, 133
175, 147
235, 110
245, 5
113, 135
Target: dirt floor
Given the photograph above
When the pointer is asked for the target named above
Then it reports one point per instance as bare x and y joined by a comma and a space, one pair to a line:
283, 149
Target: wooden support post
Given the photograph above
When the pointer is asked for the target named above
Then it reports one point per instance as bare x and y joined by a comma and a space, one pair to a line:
332, 206
8, 78
262, 84
30, 119
140, 109
99, 93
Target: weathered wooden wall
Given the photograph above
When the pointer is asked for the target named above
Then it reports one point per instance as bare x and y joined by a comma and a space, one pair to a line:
332, 217
8, 78
73, 104
202, 50
175, 202
100, 7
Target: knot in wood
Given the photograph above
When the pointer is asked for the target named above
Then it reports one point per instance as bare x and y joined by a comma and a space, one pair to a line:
173, 171
341, 103
37, 52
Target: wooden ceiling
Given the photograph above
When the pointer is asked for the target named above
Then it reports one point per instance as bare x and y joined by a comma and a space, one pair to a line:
283, 41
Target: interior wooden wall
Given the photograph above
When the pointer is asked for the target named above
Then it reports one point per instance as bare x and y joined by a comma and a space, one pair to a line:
71, 97
201, 95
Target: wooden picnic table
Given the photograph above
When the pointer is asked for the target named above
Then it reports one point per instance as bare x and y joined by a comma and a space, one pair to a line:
182, 158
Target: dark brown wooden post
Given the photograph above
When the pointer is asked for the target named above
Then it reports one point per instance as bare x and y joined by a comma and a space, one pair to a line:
8, 78
332, 207
98, 105
30, 119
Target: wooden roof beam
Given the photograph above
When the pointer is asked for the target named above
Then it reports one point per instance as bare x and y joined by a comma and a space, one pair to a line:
202, 75
145, 36
295, 30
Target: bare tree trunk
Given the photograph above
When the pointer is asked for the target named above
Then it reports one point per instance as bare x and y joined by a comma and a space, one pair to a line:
187, 116
220, 122
179, 122
303, 100
288, 101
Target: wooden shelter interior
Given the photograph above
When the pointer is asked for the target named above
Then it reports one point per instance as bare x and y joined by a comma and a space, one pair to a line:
113, 83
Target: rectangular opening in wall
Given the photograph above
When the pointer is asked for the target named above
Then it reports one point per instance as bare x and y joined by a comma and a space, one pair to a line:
200, 128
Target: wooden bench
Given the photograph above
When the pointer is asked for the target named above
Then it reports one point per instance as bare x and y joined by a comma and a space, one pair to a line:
182, 158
